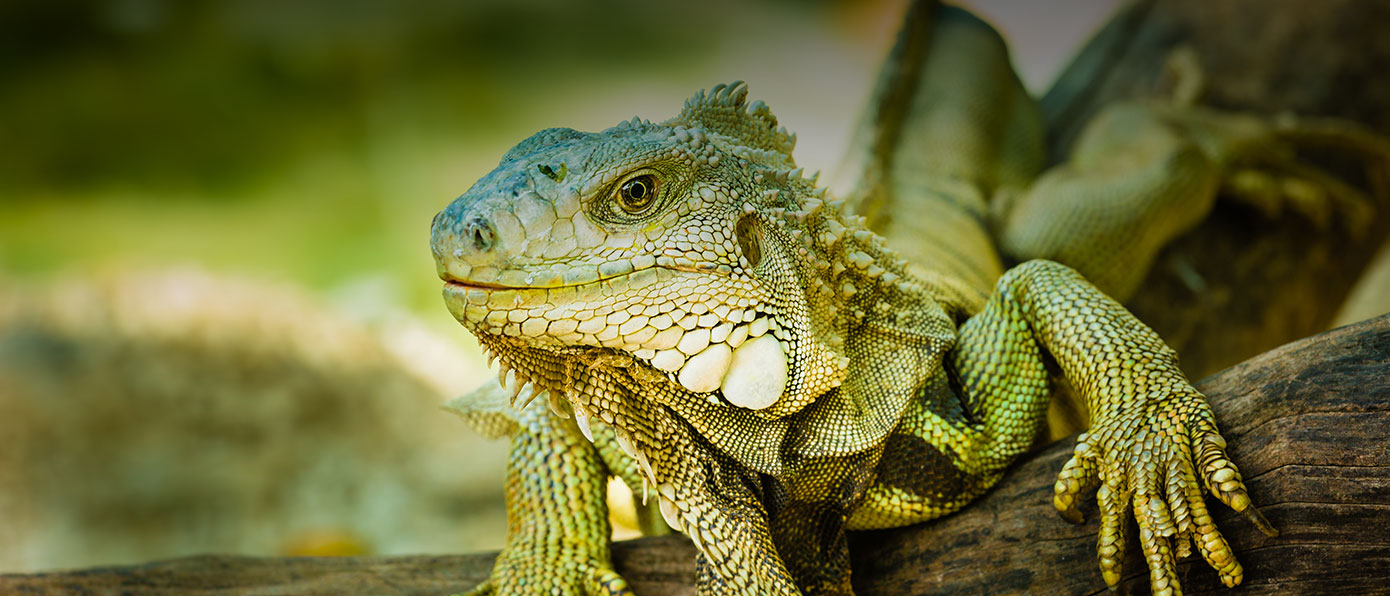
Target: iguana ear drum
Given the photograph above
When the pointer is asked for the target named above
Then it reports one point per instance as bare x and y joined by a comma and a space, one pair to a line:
749, 234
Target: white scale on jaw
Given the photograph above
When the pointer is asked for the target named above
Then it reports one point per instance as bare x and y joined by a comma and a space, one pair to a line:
757, 373
749, 367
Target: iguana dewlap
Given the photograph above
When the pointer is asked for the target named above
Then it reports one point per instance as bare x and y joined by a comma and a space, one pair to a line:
710, 325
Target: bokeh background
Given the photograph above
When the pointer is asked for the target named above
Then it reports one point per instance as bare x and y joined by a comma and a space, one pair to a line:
313, 140
220, 328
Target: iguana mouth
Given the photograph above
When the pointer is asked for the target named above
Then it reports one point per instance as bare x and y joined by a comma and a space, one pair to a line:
547, 280
475, 285
542, 289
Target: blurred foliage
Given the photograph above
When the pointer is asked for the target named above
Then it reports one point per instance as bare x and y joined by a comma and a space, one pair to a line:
210, 93
162, 414
309, 140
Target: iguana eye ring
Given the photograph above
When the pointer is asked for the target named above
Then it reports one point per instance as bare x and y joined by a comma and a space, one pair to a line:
637, 193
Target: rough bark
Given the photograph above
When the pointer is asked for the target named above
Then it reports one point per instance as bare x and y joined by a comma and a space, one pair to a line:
1306, 422
1242, 283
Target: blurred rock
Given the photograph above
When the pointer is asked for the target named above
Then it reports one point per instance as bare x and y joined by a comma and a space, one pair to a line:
152, 415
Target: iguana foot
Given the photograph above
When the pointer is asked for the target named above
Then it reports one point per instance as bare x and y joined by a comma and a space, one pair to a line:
1266, 170
518, 574
1151, 461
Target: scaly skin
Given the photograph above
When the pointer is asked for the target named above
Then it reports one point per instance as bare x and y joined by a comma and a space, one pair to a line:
743, 348
569, 524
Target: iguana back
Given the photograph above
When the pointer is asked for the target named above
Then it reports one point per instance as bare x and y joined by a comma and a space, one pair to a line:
949, 124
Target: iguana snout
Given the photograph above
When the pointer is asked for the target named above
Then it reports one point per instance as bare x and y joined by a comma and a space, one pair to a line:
517, 227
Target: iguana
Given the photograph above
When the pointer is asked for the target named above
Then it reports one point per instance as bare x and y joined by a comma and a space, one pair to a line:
742, 347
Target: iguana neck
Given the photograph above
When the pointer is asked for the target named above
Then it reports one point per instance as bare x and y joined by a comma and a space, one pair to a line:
848, 272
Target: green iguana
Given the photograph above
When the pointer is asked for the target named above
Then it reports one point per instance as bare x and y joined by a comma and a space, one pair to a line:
709, 325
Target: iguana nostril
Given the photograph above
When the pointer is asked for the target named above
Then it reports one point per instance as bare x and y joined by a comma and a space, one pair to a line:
480, 234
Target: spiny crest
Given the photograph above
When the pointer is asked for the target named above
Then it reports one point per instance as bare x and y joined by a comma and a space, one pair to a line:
724, 111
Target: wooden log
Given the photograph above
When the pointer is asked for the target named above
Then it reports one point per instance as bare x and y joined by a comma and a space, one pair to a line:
1307, 423
1242, 283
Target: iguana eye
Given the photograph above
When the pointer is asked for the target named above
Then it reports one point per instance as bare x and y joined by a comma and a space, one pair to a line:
637, 194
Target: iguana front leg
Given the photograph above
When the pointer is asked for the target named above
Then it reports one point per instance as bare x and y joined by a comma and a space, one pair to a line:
1153, 442
699, 490
557, 517
946, 452
715, 502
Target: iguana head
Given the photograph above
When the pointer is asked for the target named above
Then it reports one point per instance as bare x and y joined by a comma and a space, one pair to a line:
658, 240
695, 246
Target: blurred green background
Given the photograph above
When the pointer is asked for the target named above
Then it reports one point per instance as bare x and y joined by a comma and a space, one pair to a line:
313, 140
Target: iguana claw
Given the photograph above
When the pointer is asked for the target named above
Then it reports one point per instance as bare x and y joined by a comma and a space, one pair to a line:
1156, 466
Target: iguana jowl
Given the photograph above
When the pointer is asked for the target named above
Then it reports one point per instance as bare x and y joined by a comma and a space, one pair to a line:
728, 337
